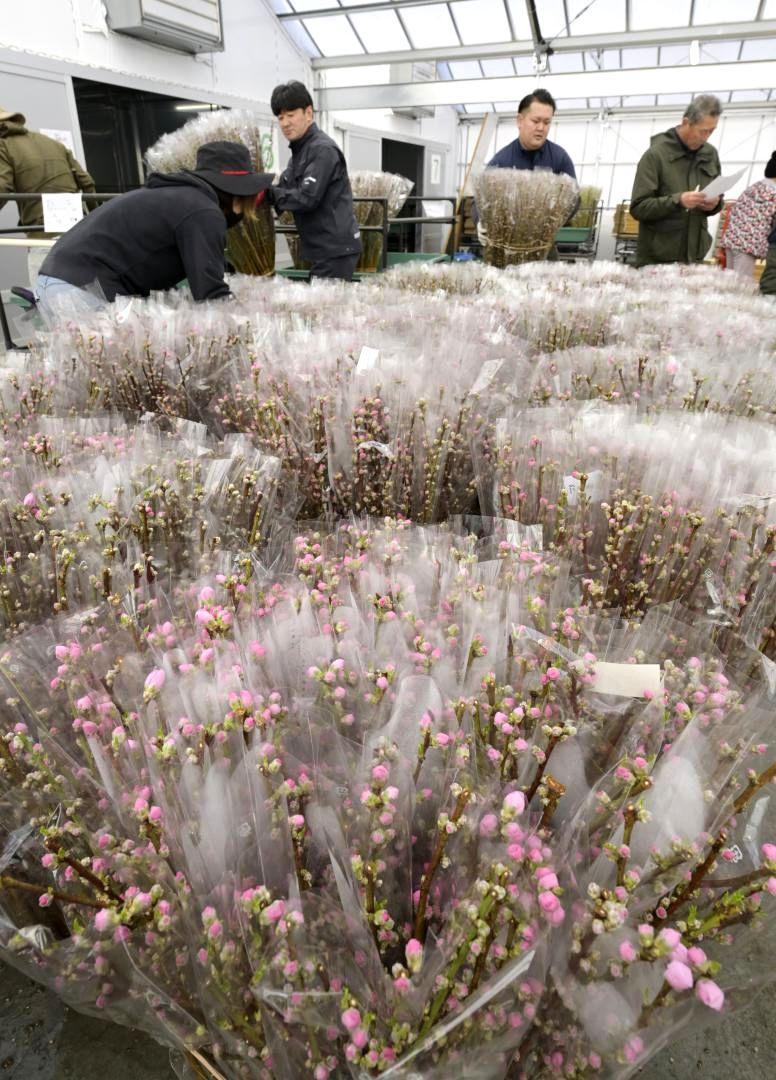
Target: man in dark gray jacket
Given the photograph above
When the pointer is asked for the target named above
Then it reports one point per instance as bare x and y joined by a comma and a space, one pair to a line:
315, 188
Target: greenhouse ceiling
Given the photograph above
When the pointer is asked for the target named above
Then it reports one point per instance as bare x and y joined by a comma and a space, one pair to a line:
483, 55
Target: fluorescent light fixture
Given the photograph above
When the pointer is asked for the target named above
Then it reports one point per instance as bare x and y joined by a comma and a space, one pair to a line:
191, 106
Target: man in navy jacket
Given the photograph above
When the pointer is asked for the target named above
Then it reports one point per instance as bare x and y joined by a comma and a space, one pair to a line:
315, 187
532, 149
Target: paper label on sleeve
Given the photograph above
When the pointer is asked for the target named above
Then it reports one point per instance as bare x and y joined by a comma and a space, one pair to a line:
594, 487
627, 680
487, 373
367, 359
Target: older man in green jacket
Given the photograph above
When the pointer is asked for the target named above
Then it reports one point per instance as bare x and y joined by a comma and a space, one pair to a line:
29, 162
668, 200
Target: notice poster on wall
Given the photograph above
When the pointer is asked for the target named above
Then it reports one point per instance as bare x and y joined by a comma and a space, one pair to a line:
61, 135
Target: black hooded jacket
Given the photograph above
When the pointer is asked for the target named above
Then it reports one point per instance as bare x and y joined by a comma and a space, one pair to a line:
171, 229
316, 188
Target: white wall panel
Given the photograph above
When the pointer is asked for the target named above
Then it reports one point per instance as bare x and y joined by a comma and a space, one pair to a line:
258, 55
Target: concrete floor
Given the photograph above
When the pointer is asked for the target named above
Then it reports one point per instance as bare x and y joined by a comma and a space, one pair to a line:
41, 1039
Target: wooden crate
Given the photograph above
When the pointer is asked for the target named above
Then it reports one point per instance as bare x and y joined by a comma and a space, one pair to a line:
625, 225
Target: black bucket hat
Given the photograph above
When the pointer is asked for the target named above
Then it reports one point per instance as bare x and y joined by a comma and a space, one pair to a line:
227, 166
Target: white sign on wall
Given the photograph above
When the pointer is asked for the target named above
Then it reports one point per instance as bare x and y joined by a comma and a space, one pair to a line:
65, 137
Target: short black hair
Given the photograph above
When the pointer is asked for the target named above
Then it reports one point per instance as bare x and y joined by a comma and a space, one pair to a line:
289, 96
544, 97
770, 168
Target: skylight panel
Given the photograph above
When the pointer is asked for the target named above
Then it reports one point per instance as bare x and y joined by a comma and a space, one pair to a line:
481, 21
749, 95
465, 69
602, 17
301, 38
719, 52
721, 11
519, 17
524, 65
506, 106
563, 61
635, 101
552, 19
499, 68
380, 31
674, 55
566, 104
639, 58
333, 35
311, 5
659, 14
764, 49
430, 26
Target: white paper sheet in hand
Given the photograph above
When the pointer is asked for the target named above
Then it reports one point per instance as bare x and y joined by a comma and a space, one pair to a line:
61, 212
723, 184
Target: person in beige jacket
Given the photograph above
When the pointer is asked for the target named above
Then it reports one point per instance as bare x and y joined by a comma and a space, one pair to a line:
30, 161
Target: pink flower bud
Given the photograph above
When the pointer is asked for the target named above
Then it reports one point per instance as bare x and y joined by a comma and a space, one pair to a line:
696, 956
155, 679
351, 1018
710, 994
627, 952
670, 937
515, 801
488, 825
678, 976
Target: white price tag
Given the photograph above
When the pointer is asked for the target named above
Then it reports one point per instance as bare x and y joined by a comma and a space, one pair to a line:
627, 680
594, 487
367, 359
61, 211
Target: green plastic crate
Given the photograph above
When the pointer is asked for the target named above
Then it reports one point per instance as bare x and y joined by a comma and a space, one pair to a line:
398, 258
569, 235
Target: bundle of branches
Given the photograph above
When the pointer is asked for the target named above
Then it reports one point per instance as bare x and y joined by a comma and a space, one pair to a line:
520, 212
251, 245
589, 197
379, 185
365, 184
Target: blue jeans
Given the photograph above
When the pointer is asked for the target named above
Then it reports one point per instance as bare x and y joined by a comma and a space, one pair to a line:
58, 298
